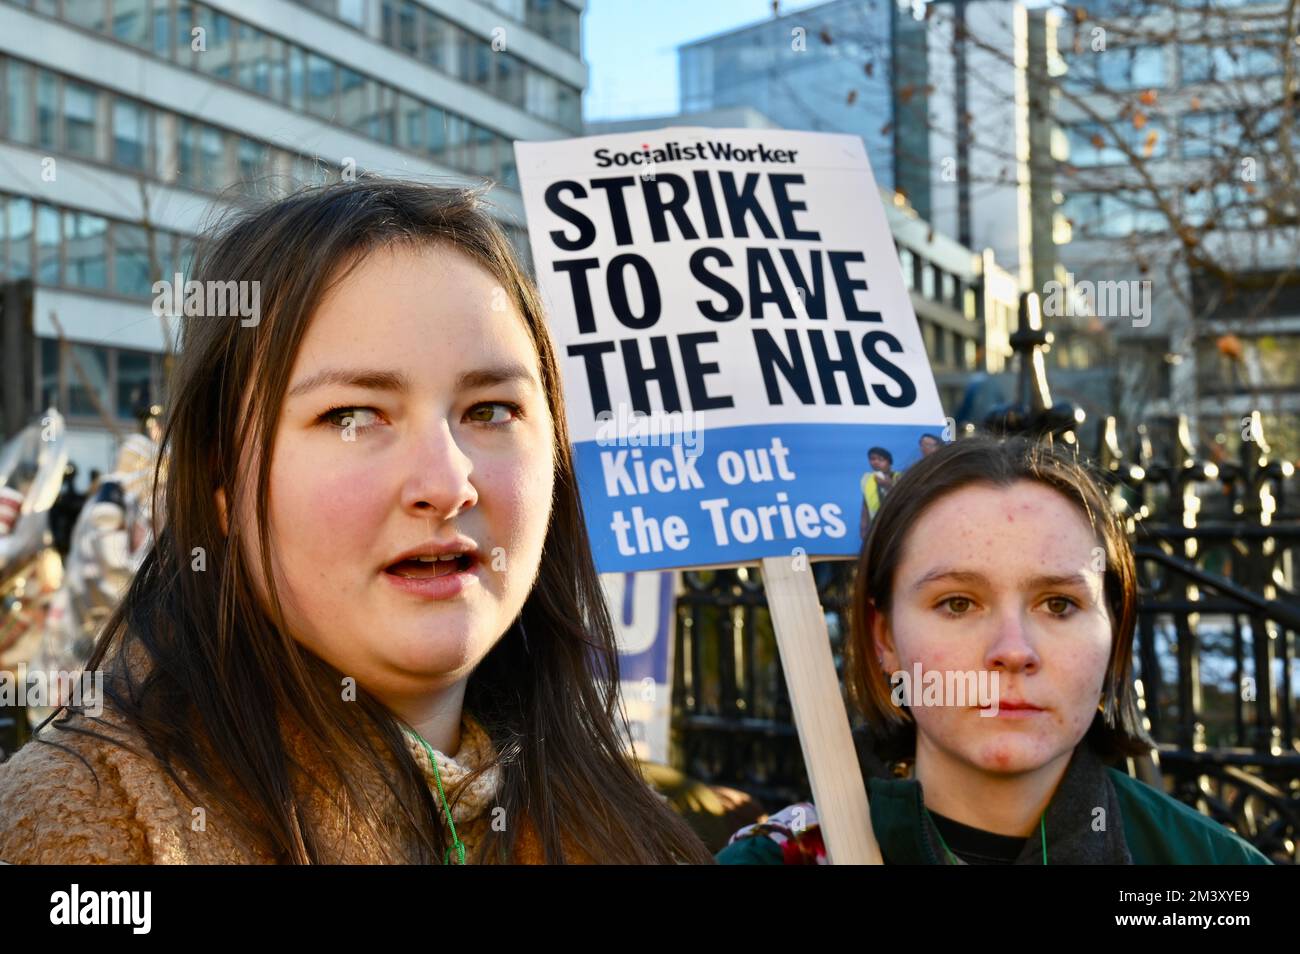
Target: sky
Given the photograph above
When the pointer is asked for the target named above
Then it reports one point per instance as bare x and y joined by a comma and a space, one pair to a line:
631, 48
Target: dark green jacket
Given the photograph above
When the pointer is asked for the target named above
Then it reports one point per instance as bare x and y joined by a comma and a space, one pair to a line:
1156, 829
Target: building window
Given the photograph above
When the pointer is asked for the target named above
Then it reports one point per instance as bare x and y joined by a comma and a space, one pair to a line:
297, 77
407, 38
1118, 69
1226, 205
542, 96
353, 12
87, 249
134, 382
49, 246
254, 163
355, 96
475, 61
1094, 144
510, 78
88, 391
218, 59
130, 135
18, 102
49, 379
47, 110
131, 21
322, 84
164, 255
1215, 61
435, 131
1112, 214
85, 13
201, 154
1221, 133
908, 265
556, 21
80, 106
410, 126
570, 107
397, 25
96, 382
19, 237
1091, 145
437, 42
455, 135
260, 66
62, 114
183, 51
162, 31
378, 121
131, 260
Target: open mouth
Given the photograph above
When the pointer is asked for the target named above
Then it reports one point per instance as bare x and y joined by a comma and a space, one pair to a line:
429, 567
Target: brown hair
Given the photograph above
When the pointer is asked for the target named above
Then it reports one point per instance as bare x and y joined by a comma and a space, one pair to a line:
1117, 729
550, 702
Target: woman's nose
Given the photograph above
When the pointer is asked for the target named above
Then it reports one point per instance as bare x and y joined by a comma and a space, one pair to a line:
439, 479
1012, 648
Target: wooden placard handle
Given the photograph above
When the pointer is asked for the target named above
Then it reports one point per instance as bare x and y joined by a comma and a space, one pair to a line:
819, 714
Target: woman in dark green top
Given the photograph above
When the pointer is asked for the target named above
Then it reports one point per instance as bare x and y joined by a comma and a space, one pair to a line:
991, 647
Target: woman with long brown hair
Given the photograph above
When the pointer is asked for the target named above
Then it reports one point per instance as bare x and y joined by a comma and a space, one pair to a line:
370, 629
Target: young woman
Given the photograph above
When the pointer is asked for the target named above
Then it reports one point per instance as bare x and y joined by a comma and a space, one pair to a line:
370, 629
998, 569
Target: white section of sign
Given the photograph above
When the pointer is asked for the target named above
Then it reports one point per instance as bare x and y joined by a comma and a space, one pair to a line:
837, 199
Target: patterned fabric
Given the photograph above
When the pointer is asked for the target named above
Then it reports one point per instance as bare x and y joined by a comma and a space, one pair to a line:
471, 802
468, 803
796, 830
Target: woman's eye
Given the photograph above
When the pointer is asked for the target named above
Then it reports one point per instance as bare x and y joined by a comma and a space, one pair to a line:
1059, 605
478, 415
357, 418
956, 605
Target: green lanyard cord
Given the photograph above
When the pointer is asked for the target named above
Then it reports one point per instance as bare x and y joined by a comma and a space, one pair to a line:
1042, 833
455, 839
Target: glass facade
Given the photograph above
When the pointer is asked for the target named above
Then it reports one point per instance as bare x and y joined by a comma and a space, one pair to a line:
1095, 144
91, 381
230, 50
70, 248
1120, 69
803, 71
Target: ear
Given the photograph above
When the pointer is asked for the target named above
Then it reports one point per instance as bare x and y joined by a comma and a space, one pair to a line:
882, 640
220, 498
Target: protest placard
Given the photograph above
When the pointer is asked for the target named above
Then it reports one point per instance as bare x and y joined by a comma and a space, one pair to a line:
735, 337
744, 373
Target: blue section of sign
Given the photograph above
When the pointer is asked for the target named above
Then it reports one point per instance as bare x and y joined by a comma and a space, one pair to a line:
650, 663
739, 494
